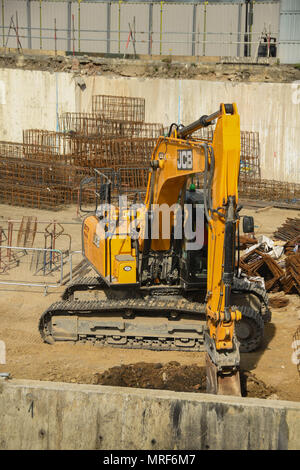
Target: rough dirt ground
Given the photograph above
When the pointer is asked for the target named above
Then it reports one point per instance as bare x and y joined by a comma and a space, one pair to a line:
166, 67
177, 377
275, 375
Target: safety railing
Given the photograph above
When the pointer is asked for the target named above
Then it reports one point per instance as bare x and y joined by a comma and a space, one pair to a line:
78, 266
42, 262
32, 267
198, 43
142, 27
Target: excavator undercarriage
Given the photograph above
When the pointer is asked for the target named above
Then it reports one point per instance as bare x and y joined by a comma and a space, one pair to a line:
156, 319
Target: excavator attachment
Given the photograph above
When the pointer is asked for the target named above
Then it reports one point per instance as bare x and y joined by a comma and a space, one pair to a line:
221, 383
222, 367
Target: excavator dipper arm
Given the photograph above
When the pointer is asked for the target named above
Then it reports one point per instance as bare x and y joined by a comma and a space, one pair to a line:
174, 160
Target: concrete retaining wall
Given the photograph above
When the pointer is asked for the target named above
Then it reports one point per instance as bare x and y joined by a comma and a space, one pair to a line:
32, 99
269, 108
48, 415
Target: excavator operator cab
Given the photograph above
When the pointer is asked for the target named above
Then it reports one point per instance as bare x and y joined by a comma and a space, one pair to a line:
194, 248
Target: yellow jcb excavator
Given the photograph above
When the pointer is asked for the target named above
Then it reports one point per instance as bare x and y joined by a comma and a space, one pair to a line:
165, 280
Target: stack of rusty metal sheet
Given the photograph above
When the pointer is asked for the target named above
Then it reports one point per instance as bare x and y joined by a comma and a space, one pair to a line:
87, 151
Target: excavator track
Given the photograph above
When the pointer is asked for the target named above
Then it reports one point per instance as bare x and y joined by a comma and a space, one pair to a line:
165, 320
89, 284
153, 323
83, 284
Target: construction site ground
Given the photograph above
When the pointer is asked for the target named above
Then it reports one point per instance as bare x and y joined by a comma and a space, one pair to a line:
269, 371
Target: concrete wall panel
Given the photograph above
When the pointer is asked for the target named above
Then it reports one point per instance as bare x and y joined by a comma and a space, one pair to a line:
31, 99
269, 108
48, 415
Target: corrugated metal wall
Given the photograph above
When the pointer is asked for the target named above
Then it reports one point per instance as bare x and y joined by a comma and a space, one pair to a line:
289, 49
177, 28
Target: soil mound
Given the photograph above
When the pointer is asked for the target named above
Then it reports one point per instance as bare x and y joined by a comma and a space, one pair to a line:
174, 376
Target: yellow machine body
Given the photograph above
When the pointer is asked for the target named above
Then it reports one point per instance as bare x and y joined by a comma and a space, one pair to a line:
112, 257
158, 275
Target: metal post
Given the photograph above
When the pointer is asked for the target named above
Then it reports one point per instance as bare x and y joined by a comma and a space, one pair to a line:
69, 14
194, 29
108, 21
29, 24
9, 238
79, 1
17, 33
161, 25
55, 37
41, 44
204, 29
119, 27
3, 39
250, 25
150, 28
238, 52
246, 29
73, 27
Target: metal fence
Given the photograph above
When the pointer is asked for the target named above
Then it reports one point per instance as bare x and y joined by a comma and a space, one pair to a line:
289, 31
39, 267
38, 253
151, 27
27, 266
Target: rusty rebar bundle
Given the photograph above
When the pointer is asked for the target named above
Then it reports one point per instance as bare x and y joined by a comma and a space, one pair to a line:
268, 190
91, 151
22, 171
35, 196
261, 264
250, 150
289, 231
122, 108
291, 282
93, 124
114, 135
250, 154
